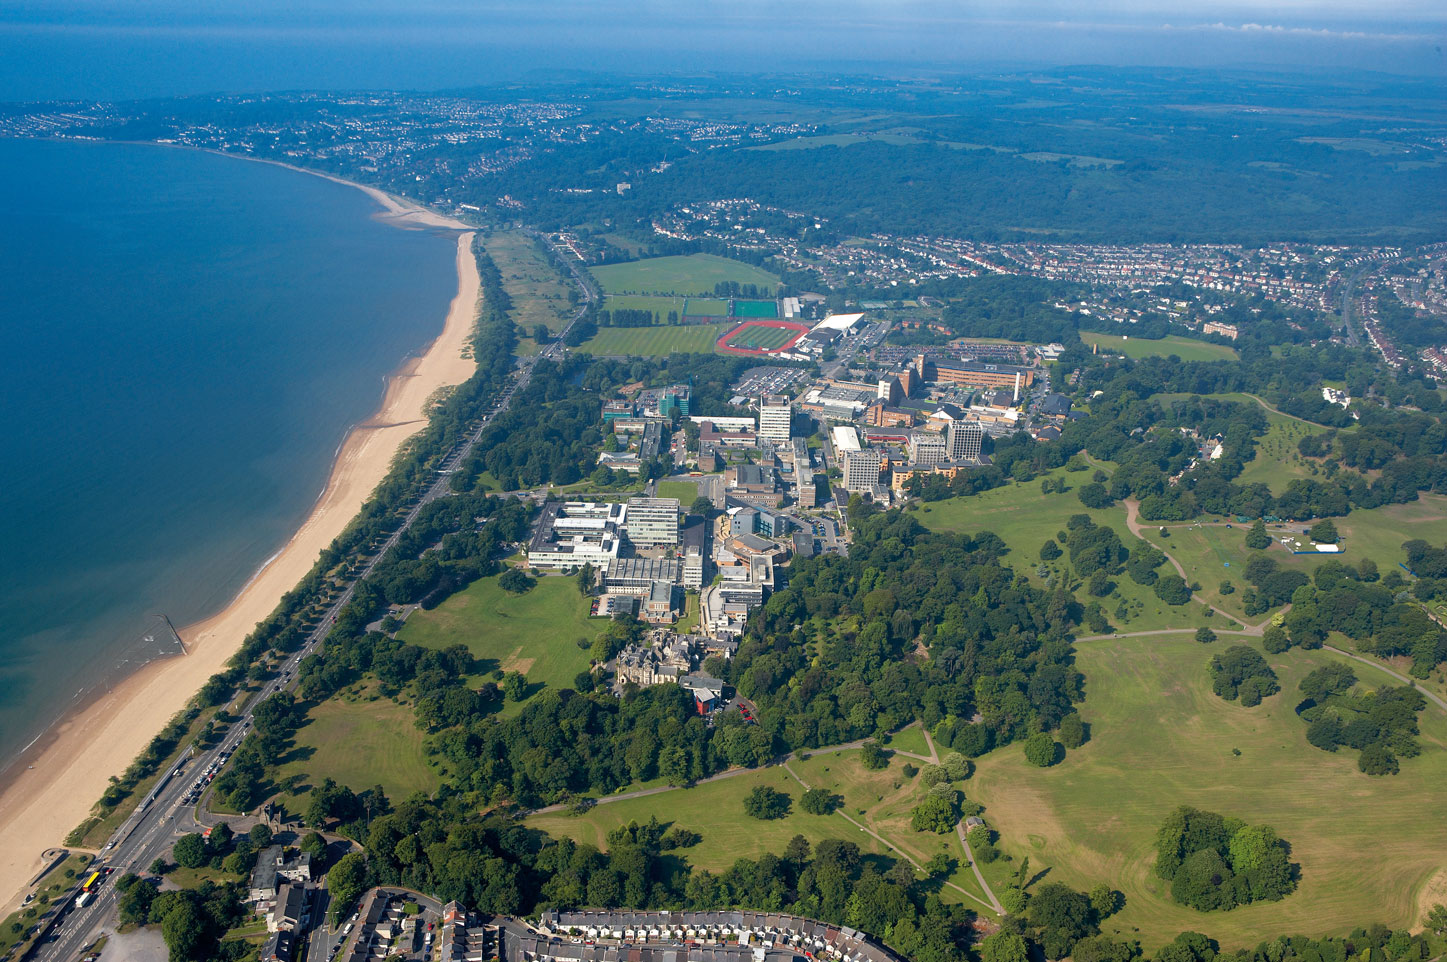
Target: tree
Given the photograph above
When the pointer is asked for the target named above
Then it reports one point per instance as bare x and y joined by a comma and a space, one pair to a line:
1072, 730
701, 506
1172, 589
1094, 495
190, 851
1205, 635
1257, 539
1377, 760
586, 579
260, 836
314, 845
158, 866
347, 881
185, 930
1437, 919
938, 813
767, 803
514, 580
1049, 551
1040, 750
872, 756
1004, 947
515, 686
819, 801
541, 334
1323, 532
1105, 900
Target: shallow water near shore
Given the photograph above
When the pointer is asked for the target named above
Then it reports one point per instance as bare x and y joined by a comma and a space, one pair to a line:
185, 340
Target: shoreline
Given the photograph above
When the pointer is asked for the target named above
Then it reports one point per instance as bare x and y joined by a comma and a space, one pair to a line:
70, 764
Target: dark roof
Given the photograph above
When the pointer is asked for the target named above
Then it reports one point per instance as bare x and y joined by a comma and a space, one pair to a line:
1055, 405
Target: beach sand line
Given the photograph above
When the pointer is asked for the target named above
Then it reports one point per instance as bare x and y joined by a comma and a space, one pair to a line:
71, 765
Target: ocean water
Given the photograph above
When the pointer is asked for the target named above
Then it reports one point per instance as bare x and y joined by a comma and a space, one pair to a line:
185, 340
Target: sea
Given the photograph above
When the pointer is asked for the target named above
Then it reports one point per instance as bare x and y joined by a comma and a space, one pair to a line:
185, 340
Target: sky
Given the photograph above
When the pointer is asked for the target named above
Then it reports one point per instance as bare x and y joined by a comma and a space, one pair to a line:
122, 49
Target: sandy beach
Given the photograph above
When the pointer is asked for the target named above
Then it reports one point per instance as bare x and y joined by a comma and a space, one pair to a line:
71, 765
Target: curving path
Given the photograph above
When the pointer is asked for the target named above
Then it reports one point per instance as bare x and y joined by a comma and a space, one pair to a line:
1132, 521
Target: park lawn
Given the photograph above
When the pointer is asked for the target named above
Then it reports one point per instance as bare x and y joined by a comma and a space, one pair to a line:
654, 341
360, 738
687, 274
1277, 461
715, 810
1377, 533
1187, 349
1159, 739
707, 307
1024, 518
909, 739
685, 491
535, 633
838, 140
539, 294
883, 801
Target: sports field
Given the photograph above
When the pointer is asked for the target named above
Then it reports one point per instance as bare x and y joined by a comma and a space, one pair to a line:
643, 302
652, 341
535, 633
761, 336
1025, 518
360, 739
756, 308
1159, 738
685, 491
706, 307
692, 274
1185, 348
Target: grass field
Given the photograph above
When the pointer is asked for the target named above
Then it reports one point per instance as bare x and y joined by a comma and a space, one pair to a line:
539, 293
360, 739
1185, 348
1159, 738
1025, 518
687, 274
660, 306
707, 307
839, 140
535, 633
685, 491
652, 341
716, 811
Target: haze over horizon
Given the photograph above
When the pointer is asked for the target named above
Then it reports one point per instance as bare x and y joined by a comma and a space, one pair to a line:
97, 50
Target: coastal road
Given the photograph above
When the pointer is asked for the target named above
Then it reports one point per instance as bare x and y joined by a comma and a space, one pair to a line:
152, 829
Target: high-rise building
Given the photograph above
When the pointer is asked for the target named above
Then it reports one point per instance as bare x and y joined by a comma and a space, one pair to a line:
652, 521
861, 469
774, 418
964, 439
927, 448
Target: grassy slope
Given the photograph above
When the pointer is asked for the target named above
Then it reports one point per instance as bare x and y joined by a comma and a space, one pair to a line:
1187, 349
716, 811
1277, 460
1025, 518
360, 740
1161, 739
535, 633
650, 341
688, 274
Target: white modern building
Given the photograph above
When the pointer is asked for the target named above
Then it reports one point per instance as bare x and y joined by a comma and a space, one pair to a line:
574, 533
652, 521
927, 448
775, 415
